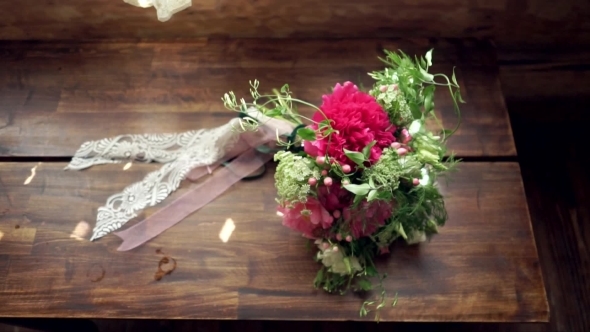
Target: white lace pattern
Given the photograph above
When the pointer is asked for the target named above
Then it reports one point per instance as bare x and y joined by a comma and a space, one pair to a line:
180, 153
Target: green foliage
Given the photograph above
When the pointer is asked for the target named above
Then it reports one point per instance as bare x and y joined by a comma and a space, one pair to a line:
405, 88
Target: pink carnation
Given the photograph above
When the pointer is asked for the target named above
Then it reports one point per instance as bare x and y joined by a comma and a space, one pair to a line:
310, 225
358, 120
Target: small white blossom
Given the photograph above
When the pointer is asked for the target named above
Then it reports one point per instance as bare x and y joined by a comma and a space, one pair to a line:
333, 258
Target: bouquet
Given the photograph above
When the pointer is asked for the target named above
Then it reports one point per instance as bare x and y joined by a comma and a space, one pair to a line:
355, 176
361, 172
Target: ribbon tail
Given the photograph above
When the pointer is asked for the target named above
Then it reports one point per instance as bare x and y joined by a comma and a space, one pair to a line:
193, 200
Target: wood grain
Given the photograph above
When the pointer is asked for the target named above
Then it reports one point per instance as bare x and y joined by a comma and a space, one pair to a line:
515, 22
482, 267
55, 96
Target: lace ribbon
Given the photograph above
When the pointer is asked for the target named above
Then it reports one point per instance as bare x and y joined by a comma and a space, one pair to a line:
191, 154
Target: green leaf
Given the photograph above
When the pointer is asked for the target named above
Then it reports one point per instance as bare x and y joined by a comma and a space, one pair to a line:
367, 149
274, 112
307, 134
370, 270
426, 76
429, 57
371, 182
347, 263
365, 284
372, 195
285, 88
416, 113
358, 189
319, 278
453, 78
458, 97
356, 157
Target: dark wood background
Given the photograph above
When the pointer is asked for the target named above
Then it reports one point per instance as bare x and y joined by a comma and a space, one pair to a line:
509, 22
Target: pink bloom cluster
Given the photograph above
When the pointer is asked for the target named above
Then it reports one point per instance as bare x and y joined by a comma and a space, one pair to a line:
332, 203
358, 120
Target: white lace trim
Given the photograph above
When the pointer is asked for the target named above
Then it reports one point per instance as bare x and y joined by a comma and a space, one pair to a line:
164, 8
180, 153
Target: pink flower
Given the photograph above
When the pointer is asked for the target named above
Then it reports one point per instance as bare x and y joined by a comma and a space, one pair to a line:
367, 218
335, 197
358, 120
310, 224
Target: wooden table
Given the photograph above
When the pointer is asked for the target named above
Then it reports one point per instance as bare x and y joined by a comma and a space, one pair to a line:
53, 97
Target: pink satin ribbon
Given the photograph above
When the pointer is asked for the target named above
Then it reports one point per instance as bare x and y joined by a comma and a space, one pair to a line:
248, 161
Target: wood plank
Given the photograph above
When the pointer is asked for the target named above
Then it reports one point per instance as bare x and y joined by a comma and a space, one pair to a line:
530, 22
549, 74
482, 267
54, 97
559, 198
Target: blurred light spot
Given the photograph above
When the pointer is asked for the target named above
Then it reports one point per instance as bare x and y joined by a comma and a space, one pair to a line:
33, 173
280, 214
127, 166
1, 235
226, 231
81, 231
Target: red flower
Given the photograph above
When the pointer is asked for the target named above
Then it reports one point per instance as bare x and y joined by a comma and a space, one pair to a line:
358, 120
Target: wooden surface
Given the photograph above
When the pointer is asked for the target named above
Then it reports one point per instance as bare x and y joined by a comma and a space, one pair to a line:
558, 192
97, 90
555, 75
482, 267
514, 22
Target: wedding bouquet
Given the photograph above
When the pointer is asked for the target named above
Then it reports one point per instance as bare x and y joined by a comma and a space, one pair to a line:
354, 177
361, 172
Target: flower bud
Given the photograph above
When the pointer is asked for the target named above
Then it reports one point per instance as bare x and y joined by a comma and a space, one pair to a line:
402, 151
415, 181
383, 88
396, 145
339, 237
346, 168
348, 238
324, 172
328, 181
320, 160
312, 181
336, 214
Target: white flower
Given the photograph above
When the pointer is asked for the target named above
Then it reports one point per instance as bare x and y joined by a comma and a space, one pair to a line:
334, 260
425, 177
415, 127
416, 237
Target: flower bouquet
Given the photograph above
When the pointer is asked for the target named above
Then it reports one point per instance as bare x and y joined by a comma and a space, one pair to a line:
354, 177
361, 172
